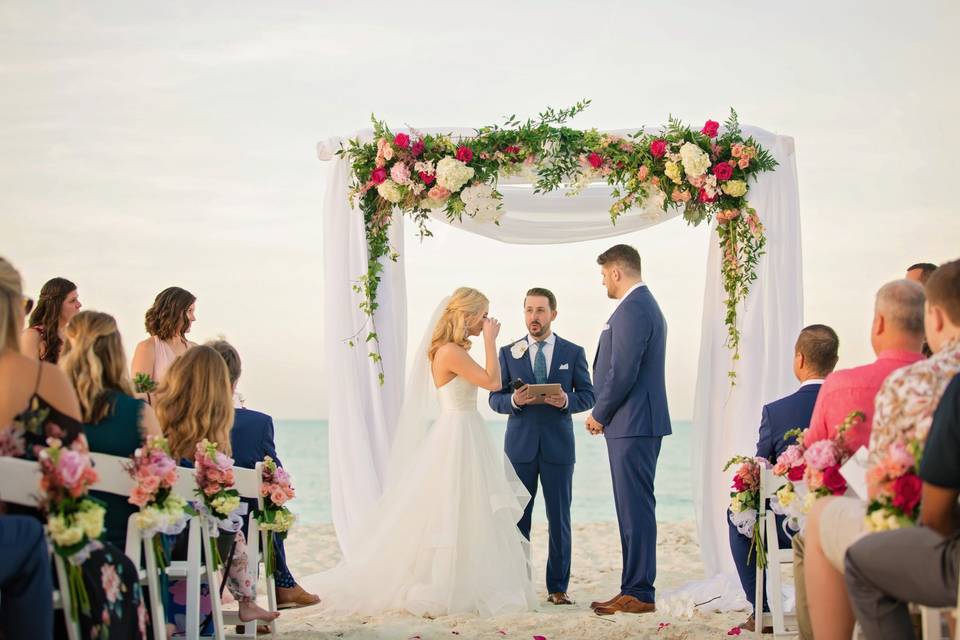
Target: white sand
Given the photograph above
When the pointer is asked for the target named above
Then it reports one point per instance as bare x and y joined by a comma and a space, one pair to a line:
595, 576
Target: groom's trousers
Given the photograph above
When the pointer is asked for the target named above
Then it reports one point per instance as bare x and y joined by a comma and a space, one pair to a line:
633, 466
557, 481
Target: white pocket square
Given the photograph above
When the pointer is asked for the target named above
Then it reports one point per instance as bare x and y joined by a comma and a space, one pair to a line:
564, 366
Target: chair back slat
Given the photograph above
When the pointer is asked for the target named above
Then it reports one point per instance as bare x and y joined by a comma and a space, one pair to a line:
21, 481
247, 481
113, 476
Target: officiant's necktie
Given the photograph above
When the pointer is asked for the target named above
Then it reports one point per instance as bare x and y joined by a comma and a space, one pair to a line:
540, 364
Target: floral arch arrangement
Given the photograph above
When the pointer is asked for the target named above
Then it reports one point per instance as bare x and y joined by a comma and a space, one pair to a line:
706, 173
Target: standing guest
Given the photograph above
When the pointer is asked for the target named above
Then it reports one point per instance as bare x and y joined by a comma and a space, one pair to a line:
815, 356
888, 570
26, 605
904, 407
631, 412
194, 403
920, 272
58, 303
168, 322
539, 440
114, 421
251, 438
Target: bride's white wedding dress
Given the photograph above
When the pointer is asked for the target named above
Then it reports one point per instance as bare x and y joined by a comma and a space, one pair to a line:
443, 538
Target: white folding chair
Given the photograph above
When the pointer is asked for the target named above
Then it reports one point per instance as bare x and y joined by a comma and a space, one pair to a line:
776, 558
115, 479
21, 485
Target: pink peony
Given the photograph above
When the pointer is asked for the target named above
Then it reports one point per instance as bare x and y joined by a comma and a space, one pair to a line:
464, 153
906, 491
71, 465
723, 171
417, 150
821, 454
438, 193
710, 128
401, 140
379, 175
680, 195
400, 173
595, 160
658, 148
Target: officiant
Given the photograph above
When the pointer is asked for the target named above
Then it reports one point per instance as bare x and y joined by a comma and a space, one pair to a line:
545, 380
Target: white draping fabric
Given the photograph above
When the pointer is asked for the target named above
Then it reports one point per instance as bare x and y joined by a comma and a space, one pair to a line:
362, 414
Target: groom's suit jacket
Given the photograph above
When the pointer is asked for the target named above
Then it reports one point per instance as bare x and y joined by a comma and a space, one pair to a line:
628, 370
543, 429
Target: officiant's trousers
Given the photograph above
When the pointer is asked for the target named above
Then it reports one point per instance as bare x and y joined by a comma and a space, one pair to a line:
557, 481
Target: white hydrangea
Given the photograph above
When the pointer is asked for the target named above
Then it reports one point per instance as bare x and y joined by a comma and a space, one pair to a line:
695, 161
453, 174
390, 191
481, 203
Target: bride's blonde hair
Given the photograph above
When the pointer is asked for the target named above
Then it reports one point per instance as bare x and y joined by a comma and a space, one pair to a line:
466, 305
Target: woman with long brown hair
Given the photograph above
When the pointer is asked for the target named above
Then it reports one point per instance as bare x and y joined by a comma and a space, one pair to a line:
56, 306
195, 402
168, 322
114, 421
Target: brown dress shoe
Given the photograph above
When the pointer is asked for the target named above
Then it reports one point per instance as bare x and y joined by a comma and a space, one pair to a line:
605, 603
626, 604
751, 625
560, 597
295, 597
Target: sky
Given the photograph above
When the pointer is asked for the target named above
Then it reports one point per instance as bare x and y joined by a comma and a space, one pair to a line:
155, 144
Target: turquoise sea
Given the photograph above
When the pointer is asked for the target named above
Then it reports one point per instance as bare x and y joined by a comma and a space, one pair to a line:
302, 446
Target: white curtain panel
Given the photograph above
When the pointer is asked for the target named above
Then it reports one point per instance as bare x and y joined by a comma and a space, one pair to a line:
726, 419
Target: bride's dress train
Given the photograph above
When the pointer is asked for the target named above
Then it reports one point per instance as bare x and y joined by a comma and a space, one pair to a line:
443, 538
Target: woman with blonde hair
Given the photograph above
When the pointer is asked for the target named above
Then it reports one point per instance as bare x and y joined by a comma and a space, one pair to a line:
114, 421
57, 305
443, 538
168, 322
195, 402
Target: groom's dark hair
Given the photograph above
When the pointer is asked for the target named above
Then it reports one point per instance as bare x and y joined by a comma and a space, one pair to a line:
545, 293
623, 255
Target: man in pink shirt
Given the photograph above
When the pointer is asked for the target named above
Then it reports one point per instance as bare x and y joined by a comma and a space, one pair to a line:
897, 339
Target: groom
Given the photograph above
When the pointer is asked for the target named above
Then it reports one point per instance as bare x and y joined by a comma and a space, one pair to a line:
631, 412
539, 440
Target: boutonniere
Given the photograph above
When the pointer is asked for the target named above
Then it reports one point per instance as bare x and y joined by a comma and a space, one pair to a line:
519, 348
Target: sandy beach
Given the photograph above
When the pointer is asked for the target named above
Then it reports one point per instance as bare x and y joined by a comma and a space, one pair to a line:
596, 575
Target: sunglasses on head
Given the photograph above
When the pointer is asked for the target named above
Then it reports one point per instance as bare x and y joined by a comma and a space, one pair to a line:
27, 305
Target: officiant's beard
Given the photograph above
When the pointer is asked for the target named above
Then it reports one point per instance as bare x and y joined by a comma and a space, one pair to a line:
539, 333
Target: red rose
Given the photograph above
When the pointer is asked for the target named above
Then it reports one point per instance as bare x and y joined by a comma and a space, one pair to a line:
702, 196
658, 148
417, 149
795, 474
723, 171
464, 154
511, 149
834, 481
379, 175
402, 140
710, 129
427, 178
738, 483
595, 160
906, 493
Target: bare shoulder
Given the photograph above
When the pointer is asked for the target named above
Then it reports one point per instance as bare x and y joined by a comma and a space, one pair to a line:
449, 352
145, 346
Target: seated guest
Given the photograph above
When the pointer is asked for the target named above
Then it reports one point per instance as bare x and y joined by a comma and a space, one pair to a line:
887, 570
815, 356
168, 322
904, 408
57, 304
115, 422
26, 602
920, 272
896, 337
195, 403
252, 438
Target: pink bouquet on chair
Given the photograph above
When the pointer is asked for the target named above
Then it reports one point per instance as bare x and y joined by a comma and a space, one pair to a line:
895, 486
276, 519
219, 503
745, 502
74, 520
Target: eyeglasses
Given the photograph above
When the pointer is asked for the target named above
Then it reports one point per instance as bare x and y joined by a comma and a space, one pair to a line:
27, 305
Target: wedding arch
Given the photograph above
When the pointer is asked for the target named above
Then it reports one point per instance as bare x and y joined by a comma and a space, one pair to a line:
511, 183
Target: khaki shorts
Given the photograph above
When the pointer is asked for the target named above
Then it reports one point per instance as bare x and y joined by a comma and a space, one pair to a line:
841, 524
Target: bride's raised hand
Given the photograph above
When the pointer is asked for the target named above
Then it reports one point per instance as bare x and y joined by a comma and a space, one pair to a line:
491, 329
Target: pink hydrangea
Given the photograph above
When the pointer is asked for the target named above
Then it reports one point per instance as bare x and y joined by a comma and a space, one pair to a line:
400, 173
821, 454
791, 455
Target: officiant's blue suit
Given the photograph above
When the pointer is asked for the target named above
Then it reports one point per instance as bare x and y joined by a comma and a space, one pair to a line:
628, 372
539, 443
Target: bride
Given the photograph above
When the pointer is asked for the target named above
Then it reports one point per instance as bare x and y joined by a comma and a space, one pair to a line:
443, 538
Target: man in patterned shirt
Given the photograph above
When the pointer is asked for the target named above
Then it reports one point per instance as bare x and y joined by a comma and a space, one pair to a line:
904, 408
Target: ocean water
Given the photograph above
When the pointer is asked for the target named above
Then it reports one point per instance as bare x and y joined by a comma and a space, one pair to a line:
302, 446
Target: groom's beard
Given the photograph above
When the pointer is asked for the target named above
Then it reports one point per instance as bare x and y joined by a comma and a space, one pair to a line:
537, 330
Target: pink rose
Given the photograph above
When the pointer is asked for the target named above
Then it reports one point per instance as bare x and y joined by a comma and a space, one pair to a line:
743, 163
642, 173
736, 150
703, 196
139, 497
417, 149
401, 140
427, 178
680, 195
698, 181
906, 491
278, 496
70, 465
658, 148
400, 173
438, 193
379, 175
727, 215
780, 468
723, 171
710, 129
150, 484
464, 153
814, 478
595, 160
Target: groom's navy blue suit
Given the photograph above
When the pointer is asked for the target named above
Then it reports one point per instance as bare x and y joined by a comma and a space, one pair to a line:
539, 443
628, 372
